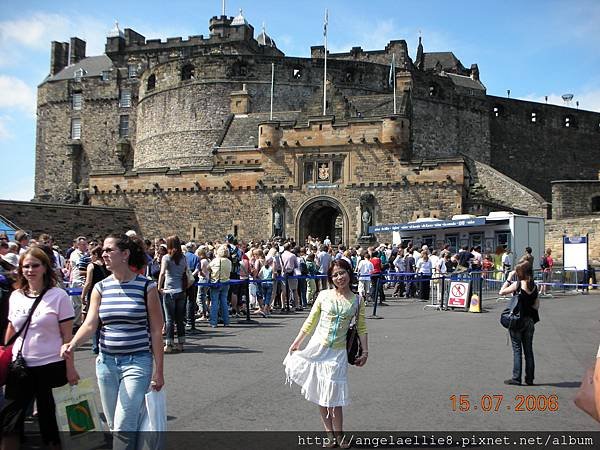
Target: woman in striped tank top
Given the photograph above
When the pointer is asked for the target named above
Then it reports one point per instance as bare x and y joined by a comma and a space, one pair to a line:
128, 306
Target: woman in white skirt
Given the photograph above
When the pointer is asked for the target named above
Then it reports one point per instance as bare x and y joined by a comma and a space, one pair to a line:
321, 368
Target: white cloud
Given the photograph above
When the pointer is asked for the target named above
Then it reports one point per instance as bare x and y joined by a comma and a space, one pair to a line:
15, 93
32, 31
588, 100
5, 134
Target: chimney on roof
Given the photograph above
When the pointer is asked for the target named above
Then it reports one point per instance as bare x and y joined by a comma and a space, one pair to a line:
77, 50
59, 57
474, 72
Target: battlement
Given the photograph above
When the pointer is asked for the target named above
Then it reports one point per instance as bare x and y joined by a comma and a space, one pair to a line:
222, 31
398, 48
324, 132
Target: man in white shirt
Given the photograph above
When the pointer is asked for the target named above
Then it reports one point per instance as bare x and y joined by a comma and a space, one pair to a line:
364, 269
78, 273
290, 263
323, 260
399, 267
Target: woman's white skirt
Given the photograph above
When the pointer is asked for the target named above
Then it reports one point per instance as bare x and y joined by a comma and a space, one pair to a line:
321, 372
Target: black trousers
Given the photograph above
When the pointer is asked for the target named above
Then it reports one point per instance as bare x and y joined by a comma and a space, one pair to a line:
38, 387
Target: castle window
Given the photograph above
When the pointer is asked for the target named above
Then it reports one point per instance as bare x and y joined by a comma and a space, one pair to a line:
132, 71
433, 90
297, 73
76, 101
125, 98
123, 126
78, 74
349, 77
105, 75
596, 204
151, 82
75, 128
187, 72
534, 117
569, 122
497, 111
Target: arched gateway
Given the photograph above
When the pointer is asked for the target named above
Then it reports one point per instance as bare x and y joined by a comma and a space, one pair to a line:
320, 217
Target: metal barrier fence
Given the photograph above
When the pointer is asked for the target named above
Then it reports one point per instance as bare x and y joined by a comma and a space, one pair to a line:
483, 283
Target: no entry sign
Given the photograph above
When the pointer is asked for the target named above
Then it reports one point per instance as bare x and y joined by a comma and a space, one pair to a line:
459, 292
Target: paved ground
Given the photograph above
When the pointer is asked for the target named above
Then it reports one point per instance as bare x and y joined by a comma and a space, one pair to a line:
232, 378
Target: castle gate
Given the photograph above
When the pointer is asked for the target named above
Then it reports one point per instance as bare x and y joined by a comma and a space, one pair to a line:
320, 217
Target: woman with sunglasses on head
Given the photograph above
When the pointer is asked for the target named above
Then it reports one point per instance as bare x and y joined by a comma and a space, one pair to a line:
321, 367
130, 337
39, 342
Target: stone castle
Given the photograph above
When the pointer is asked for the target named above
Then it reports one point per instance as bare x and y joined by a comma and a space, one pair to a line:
188, 135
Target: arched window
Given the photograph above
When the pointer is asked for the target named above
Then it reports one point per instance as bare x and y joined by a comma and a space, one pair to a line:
151, 82
187, 72
596, 204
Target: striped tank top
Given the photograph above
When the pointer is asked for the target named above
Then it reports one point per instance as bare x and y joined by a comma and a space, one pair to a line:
124, 316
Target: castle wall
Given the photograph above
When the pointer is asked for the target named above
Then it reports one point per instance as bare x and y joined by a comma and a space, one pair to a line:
535, 153
574, 198
66, 222
449, 122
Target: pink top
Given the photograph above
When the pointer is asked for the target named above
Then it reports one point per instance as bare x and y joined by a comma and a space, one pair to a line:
43, 340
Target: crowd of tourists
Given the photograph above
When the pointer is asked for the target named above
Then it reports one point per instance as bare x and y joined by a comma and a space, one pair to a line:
147, 294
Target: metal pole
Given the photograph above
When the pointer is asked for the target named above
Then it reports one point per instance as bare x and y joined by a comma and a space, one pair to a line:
325, 67
394, 75
272, 88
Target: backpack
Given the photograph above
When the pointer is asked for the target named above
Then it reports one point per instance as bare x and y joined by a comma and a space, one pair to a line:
234, 257
303, 266
544, 263
511, 316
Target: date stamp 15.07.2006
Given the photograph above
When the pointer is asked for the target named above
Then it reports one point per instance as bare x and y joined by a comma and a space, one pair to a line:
491, 403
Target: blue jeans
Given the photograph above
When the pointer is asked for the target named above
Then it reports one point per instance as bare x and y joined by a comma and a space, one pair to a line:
218, 300
267, 292
201, 297
123, 381
522, 342
174, 305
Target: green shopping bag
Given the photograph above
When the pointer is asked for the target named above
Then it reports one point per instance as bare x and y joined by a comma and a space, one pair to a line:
77, 415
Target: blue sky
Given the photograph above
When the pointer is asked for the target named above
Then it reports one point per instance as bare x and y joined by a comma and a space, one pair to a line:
534, 48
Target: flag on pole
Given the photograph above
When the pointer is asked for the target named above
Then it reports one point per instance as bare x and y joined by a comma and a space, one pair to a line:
392, 70
325, 22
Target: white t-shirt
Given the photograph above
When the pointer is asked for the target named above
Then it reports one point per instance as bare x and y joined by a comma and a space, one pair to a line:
43, 339
364, 269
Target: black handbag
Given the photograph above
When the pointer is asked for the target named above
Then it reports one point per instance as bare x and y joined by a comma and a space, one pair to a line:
353, 345
511, 316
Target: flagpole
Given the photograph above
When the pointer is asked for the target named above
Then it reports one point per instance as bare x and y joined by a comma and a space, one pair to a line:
325, 67
272, 88
394, 75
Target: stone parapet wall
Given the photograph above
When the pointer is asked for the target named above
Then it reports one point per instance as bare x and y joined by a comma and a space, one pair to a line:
66, 222
573, 198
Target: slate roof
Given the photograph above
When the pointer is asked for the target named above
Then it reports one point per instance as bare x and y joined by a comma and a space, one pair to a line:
446, 59
466, 82
243, 130
93, 67
376, 105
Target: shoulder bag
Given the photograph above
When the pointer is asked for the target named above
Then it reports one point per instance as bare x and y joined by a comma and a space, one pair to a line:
18, 367
353, 345
511, 316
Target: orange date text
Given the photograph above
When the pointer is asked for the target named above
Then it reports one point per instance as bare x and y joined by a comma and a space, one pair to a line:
499, 402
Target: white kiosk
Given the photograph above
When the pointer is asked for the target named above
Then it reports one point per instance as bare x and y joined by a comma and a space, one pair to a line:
499, 228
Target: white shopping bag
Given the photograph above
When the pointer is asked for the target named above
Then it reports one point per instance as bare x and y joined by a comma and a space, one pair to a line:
77, 415
153, 421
